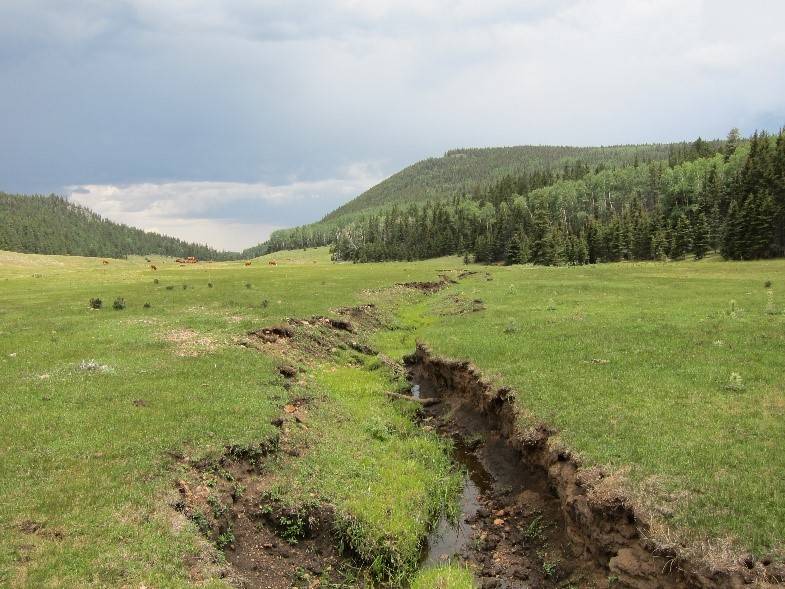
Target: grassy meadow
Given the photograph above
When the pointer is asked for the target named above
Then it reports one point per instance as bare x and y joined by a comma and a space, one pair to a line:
669, 373
672, 374
97, 402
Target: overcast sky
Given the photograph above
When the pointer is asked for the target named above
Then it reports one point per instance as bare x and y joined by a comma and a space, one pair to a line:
220, 120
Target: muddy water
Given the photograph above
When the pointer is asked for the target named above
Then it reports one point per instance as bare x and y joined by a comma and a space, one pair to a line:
509, 529
449, 538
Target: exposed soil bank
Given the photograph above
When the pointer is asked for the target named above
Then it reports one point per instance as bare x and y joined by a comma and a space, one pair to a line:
266, 545
598, 538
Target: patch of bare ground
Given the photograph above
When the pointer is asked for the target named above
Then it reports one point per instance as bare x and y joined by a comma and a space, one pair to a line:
547, 521
305, 340
265, 544
429, 287
190, 343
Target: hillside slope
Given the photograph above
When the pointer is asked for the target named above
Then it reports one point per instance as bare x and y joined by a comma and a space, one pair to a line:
461, 170
472, 171
52, 225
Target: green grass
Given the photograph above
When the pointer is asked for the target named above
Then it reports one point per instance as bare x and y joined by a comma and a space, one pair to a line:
377, 467
85, 454
633, 364
446, 576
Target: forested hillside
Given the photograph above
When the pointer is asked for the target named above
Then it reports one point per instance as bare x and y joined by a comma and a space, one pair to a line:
470, 171
728, 197
52, 225
464, 170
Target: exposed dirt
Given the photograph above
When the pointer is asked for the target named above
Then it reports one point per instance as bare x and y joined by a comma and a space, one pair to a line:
428, 287
589, 536
189, 343
510, 531
303, 340
266, 545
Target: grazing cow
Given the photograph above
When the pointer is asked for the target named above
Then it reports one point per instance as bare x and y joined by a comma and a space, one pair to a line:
272, 263
248, 263
153, 266
104, 261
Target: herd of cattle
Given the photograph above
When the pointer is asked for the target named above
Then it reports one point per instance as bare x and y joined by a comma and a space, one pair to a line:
191, 260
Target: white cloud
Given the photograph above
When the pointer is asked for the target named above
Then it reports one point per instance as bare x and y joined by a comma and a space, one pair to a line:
227, 215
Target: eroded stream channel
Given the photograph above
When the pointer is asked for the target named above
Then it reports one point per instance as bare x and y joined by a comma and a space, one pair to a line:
509, 528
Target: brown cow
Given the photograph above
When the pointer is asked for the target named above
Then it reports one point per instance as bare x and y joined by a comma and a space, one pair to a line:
272, 263
248, 263
153, 267
104, 261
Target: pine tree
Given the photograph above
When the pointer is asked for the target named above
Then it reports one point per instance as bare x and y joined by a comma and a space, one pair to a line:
715, 227
513, 253
680, 243
700, 236
542, 247
659, 245
732, 142
760, 225
731, 246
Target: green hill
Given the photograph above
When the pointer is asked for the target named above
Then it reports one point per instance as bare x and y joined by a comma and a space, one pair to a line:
52, 225
462, 170
472, 171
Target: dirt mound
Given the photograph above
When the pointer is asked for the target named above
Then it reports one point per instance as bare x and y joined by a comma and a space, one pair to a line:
602, 530
427, 287
273, 334
304, 340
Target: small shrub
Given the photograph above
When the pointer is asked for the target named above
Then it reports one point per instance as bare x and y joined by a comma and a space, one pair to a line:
147, 305
170, 287
215, 504
209, 285
201, 522
550, 569
265, 303
535, 531
118, 304
155, 281
185, 286
511, 327
292, 528
767, 284
96, 303
248, 285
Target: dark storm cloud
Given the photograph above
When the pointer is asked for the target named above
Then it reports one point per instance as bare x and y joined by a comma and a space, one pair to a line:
232, 97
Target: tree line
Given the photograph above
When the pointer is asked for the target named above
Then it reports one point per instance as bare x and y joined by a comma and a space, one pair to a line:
53, 225
724, 196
